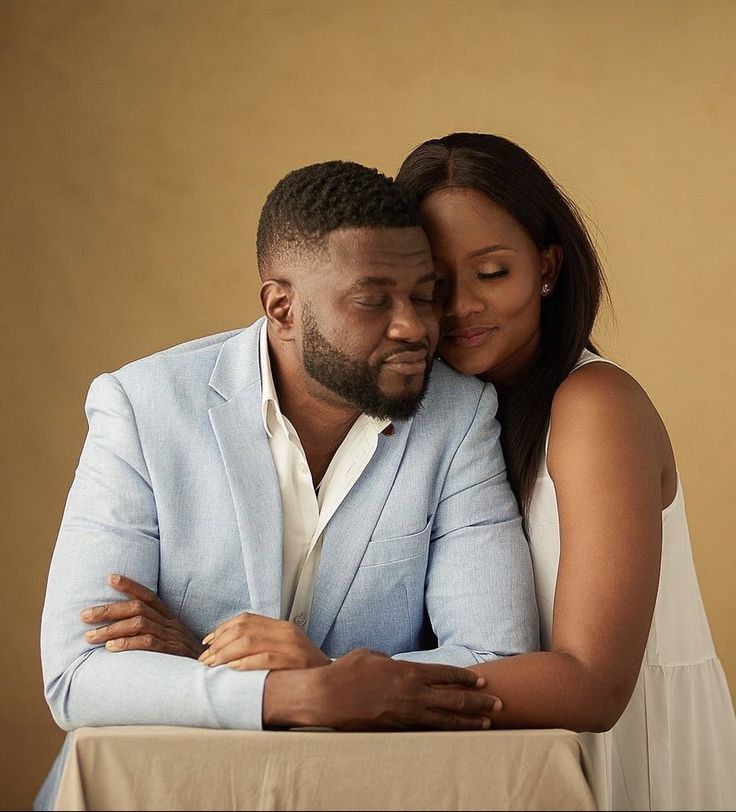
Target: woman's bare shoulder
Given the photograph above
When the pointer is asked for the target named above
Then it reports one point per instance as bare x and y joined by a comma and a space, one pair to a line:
600, 379
602, 409
604, 391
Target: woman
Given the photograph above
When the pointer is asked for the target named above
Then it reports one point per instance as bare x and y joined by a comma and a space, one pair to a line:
627, 644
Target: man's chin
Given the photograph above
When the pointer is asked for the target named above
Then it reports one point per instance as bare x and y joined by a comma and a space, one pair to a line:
399, 393
391, 406
402, 400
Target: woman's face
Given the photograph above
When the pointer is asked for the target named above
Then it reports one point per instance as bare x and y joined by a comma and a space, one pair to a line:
490, 289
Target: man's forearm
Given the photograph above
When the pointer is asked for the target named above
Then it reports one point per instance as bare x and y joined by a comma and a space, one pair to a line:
367, 690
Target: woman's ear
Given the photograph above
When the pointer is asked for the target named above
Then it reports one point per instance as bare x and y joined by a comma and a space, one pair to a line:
551, 263
277, 298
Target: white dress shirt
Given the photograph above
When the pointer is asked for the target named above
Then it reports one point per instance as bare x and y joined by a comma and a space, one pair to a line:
307, 510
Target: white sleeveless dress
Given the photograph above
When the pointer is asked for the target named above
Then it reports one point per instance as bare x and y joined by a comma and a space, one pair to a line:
674, 747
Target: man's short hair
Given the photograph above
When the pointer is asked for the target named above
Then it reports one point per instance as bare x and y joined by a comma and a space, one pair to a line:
309, 203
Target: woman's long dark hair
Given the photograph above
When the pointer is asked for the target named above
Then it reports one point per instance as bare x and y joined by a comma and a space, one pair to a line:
511, 177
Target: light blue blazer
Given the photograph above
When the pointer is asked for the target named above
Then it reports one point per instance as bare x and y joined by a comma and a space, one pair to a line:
425, 559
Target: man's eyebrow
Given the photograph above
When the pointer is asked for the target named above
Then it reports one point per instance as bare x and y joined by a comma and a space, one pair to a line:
489, 249
390, 281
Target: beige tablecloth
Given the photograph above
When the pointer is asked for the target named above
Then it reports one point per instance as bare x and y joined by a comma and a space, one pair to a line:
162, 768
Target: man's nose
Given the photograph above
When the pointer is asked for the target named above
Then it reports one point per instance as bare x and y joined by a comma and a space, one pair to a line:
407, 325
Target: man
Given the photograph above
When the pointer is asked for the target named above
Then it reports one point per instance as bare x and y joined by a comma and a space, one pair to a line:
295, 491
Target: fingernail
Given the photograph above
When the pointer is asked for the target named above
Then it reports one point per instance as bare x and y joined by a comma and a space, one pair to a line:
115, 578
480, 682
486, 724
85, 613
113, 644
90, 635
210, 660
207, 640
497, 705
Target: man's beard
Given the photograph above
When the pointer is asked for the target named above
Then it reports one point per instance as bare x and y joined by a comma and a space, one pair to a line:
357, 381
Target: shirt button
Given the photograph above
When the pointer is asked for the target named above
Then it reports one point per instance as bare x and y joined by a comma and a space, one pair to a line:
300, 620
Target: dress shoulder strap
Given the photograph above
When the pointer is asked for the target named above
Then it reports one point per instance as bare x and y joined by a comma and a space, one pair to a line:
588, 357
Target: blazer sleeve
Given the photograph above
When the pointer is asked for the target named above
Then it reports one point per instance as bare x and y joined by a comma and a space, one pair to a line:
110, 525
480, 596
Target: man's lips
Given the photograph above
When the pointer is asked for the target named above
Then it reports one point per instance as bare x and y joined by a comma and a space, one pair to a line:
469, 336
407, 363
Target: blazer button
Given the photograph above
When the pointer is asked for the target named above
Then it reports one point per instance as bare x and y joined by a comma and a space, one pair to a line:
300, 620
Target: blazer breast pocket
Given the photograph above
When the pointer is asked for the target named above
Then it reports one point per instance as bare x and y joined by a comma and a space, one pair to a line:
397, 548
384, 607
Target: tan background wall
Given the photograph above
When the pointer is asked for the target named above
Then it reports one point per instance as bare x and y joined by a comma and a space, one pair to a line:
138, 139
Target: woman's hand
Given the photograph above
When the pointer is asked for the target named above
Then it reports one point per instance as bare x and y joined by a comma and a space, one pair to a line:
250, 642
143, 623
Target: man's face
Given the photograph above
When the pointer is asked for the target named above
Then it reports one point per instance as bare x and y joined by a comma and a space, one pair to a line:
368, 328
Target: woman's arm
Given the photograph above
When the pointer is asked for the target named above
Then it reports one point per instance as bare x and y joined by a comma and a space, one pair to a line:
608, 457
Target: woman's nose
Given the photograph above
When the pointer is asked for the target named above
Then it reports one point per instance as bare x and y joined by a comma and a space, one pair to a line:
460, 302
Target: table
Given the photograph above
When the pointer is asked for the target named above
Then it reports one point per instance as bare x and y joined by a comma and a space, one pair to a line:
177, 768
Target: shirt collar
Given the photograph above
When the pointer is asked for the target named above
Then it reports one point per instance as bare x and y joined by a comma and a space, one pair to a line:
270, 410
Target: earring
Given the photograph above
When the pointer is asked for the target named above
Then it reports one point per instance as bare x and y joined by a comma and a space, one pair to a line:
546, 289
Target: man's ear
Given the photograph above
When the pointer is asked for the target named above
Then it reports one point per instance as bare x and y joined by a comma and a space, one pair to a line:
277, 298
551, 263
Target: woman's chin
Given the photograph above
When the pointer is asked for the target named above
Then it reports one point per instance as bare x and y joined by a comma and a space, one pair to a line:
460, 362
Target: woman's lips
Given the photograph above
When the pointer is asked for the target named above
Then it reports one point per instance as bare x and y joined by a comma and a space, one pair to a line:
472, 337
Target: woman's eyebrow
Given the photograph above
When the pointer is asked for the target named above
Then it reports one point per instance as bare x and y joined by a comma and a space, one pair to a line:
489, 249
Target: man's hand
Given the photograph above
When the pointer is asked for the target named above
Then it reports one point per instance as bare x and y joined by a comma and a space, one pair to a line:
249, 642
143, 623
367, 690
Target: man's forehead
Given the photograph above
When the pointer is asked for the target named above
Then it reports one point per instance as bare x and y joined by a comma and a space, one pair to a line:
379, 246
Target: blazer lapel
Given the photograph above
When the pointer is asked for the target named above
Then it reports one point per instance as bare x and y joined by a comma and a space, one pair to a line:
349, 530
251, 474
